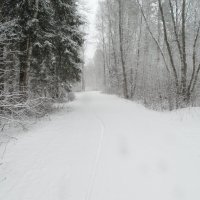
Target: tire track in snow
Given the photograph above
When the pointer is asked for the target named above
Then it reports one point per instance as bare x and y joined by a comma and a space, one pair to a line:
97, 159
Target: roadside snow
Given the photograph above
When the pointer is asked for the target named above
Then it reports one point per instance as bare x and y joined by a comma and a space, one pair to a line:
106, 148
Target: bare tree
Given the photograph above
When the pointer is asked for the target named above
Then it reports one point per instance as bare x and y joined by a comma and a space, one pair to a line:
125, 84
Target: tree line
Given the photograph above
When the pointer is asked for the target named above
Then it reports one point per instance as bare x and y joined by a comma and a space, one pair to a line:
149, 51
40, 42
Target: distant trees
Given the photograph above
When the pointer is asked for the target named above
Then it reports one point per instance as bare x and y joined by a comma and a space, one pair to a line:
152, 50
40, 44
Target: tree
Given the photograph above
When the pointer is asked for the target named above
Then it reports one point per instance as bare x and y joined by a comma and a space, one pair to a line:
125, 86
156, 57
40, 43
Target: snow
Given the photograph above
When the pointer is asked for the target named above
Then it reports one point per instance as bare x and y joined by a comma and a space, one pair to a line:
105, 148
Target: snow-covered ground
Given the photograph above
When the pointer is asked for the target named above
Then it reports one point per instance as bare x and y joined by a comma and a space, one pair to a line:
105, 148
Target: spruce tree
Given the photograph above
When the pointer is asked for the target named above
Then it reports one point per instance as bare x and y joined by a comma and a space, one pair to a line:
68, 42
48, 44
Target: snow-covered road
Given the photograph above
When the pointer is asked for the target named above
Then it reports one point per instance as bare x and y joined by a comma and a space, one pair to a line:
106, 148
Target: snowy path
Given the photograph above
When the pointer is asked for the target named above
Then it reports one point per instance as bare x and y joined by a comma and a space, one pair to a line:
106, 149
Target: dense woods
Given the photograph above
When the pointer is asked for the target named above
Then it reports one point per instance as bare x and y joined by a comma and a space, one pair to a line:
149, 51
40, 43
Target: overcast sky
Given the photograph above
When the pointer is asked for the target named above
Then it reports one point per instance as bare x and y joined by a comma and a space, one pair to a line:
91, 39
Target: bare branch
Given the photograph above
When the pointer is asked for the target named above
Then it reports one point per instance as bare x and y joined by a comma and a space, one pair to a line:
153, 37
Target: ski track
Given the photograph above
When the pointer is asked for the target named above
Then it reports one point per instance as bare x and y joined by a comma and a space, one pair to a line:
97, 159
105, 148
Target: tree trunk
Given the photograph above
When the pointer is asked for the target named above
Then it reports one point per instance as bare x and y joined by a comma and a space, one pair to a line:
2, 69
25, 58
193, 82
125, 86
26, 51
184, 65
103, 51
83, 71
138, 59
115, 68
169, 49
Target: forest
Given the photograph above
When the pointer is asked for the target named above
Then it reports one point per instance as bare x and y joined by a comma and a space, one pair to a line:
148, 51
40, 44
99, 99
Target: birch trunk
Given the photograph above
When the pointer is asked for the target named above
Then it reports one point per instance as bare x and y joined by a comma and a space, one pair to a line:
125, 86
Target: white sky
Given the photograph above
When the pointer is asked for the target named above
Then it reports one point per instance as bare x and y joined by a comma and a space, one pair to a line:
91, 38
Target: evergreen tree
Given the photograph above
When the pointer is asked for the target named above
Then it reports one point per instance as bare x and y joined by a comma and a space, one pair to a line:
67, 43
40, 41
48, 43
